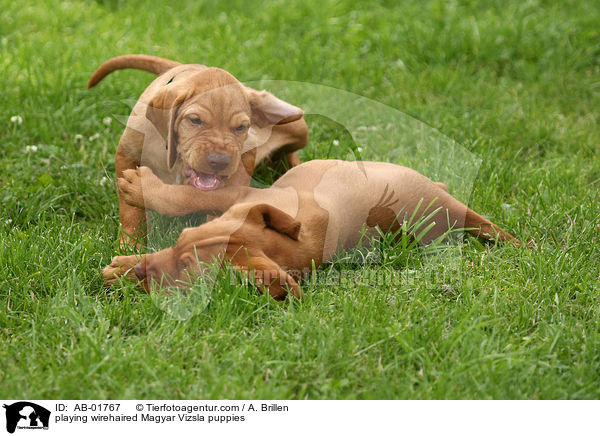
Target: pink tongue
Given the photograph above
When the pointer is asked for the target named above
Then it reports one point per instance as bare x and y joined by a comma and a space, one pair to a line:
205, 182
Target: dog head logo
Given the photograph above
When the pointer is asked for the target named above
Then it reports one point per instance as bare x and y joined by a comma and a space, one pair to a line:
26, 415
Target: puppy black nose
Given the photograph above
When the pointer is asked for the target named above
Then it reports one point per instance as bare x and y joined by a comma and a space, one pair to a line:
218, 161
140, 271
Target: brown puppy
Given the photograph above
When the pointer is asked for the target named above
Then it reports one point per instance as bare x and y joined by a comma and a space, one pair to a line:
200, 127
310, 213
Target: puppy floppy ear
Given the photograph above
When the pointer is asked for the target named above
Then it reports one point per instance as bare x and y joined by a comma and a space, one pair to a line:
275, 219
268, 276
269, 110
162, 112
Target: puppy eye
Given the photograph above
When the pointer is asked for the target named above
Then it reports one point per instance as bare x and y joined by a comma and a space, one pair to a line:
196, 121
240, 128
182, 263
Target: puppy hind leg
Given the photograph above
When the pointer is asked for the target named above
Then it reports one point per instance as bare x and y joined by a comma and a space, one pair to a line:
292, 159
442, 185
454, 214
285, 140
294, 135
485, 229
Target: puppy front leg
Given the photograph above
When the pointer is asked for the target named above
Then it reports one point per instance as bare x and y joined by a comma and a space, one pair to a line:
133, 219
121, 266
142, 189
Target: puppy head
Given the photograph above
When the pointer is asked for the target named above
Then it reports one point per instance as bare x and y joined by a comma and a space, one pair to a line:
267, 234
241, 238
205, 116
176, 266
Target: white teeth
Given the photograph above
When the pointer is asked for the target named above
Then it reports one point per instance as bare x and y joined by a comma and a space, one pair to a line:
204, 182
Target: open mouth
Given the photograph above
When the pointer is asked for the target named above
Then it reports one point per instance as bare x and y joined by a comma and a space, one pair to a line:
203, 181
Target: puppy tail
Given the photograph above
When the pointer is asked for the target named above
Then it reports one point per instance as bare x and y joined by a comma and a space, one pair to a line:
151, 64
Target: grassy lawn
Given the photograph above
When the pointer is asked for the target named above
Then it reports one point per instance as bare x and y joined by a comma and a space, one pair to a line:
516, 84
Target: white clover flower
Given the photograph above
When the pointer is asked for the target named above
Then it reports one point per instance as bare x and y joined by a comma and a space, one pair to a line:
336, 142
31, 148
103, 181
94, 136
78, 137
359, 149
8, 221
400, 64
107, 121
16, 119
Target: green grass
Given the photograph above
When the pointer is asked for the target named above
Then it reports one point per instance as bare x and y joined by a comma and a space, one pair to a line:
517, 84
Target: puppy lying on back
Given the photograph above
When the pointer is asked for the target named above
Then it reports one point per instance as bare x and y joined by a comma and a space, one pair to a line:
310, 213
200, 127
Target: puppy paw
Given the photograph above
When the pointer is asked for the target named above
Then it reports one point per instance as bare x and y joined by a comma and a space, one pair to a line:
120, 266
129, 188
138, 186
